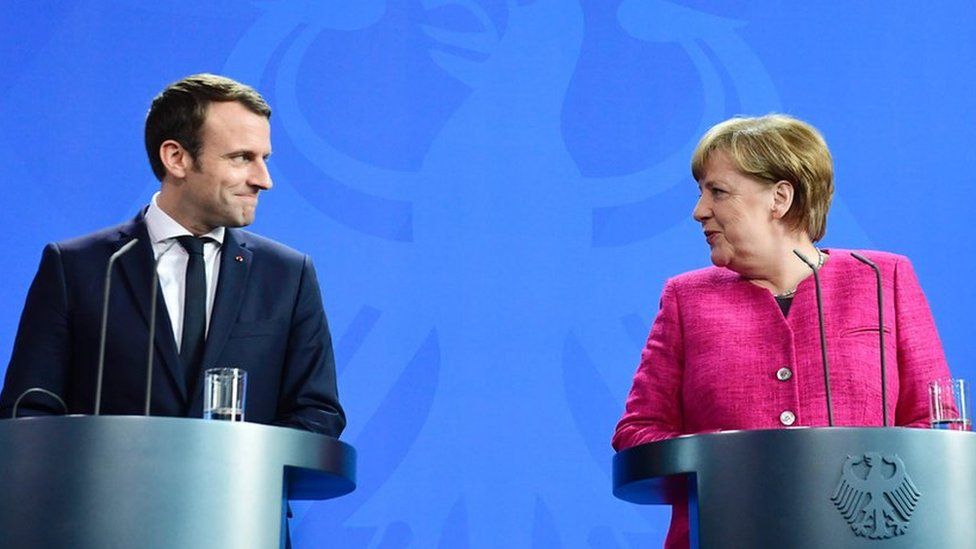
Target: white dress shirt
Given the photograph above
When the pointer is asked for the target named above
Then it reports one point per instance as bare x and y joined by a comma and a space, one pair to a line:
163, 231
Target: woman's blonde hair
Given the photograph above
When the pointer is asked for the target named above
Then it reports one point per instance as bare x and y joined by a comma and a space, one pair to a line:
775, 148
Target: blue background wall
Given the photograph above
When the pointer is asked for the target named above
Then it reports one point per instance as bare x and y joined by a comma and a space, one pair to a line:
494, 192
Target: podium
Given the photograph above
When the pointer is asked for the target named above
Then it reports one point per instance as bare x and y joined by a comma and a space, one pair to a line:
158, 482
812, 487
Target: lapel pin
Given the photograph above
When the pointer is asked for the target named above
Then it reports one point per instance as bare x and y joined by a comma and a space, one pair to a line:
239, 258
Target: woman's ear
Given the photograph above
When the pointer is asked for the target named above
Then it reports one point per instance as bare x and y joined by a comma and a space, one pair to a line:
782, 198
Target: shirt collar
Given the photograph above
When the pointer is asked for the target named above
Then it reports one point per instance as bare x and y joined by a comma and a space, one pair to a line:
162, 227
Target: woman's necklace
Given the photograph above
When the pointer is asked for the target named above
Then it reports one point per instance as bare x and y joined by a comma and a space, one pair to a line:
790, 293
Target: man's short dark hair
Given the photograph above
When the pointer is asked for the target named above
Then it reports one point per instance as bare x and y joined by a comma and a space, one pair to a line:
179, 111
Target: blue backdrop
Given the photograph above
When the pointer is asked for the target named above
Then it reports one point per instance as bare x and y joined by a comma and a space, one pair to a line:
494, 192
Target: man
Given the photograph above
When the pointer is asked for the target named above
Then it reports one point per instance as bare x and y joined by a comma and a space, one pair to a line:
228, 298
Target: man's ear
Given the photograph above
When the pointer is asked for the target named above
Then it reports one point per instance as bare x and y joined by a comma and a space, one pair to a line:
782, 198
175, 158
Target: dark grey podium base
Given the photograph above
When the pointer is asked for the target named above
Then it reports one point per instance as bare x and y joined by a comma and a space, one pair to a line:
151, 482
774, 488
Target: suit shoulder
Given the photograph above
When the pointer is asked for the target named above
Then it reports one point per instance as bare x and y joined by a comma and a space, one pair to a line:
267, 247
706, 278
102, 238
879, 257
846, 265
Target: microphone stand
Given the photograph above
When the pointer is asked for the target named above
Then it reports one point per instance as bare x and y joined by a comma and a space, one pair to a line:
884, 377
152, 324
823, 337
101, 345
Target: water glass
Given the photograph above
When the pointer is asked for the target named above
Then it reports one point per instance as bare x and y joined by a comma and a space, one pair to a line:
949, 405
224, 392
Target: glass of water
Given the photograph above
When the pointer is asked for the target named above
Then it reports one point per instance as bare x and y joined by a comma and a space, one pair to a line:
949, 405
224, 394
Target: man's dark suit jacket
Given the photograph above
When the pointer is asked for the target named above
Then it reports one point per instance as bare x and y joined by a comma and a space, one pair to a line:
267, 318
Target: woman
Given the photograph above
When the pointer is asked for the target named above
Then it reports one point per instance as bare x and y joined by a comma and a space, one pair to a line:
737, 345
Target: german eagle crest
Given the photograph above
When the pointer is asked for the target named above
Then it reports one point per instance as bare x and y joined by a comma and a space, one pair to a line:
876, 496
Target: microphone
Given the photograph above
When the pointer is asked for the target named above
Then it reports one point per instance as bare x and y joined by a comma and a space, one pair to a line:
884, 378
823, 337
152, 323
101, 344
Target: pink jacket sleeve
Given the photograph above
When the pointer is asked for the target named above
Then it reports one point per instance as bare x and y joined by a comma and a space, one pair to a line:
920, 355
653, 409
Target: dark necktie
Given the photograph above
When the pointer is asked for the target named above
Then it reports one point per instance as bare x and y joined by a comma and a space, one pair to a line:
194, 309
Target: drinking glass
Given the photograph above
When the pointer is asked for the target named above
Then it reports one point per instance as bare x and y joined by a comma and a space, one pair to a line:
949, 405
224, 392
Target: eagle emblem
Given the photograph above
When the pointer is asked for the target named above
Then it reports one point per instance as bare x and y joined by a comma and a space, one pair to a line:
876, 496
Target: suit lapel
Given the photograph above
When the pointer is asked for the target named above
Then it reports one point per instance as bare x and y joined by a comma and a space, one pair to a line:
235, 265
136, 267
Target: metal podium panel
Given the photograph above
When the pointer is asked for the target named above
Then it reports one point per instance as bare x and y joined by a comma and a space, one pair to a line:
155, 482
878, 488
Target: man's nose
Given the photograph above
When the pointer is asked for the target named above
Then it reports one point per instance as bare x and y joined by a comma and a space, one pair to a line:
261, 176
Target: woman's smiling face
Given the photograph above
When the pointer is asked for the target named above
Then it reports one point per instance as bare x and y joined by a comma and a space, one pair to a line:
735, 211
